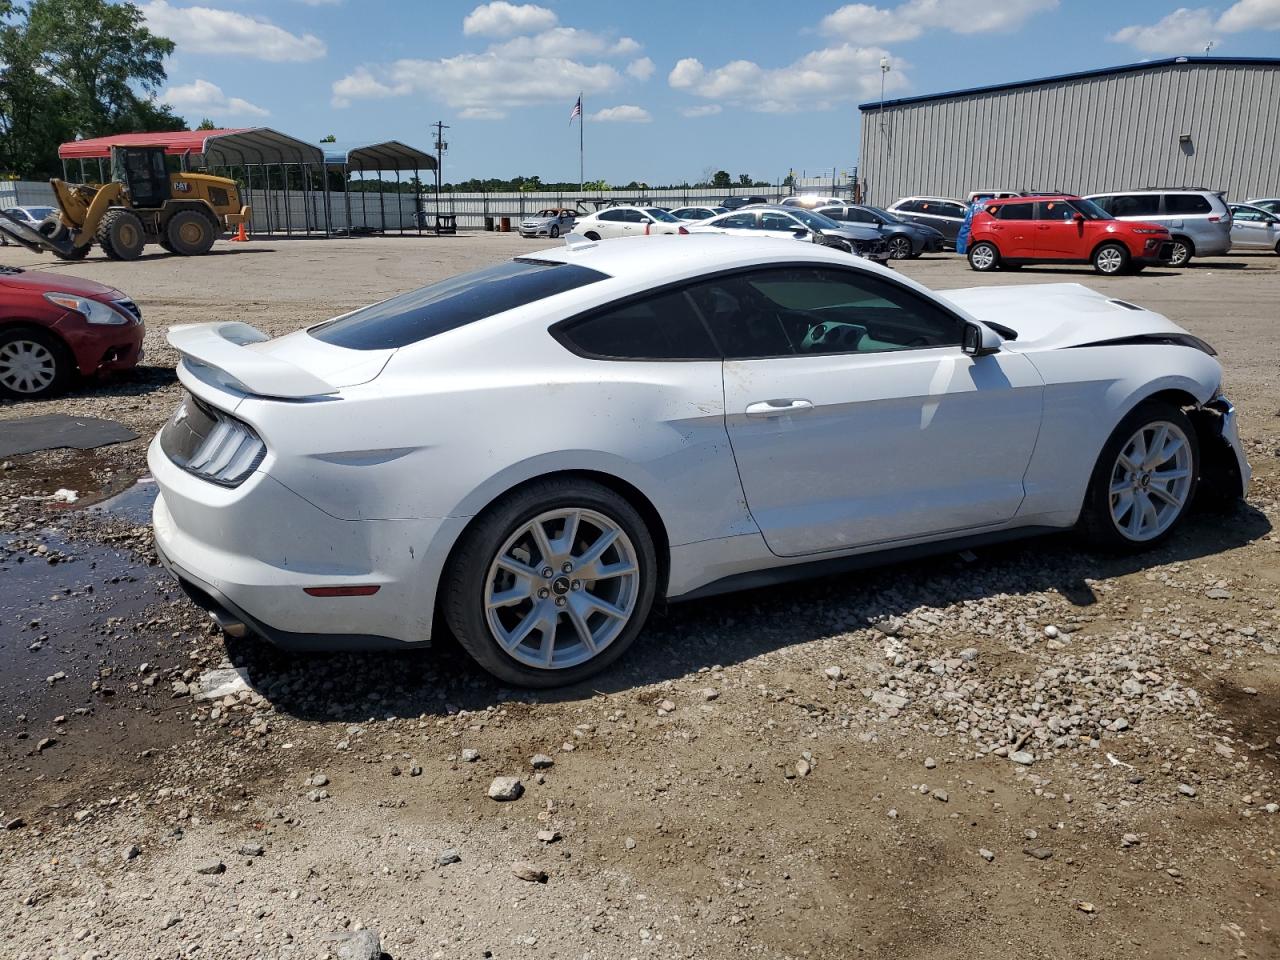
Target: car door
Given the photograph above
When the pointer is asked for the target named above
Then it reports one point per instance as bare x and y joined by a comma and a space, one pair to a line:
948, 218
1251, 228
1061, 232
910, 211
780, 226
742, 224
1013, 230
609, 224
855, 417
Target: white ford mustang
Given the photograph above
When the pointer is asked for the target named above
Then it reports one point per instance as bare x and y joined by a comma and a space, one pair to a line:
535, 452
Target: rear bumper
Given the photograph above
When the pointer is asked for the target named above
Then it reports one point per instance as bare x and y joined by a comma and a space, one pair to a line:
246, 554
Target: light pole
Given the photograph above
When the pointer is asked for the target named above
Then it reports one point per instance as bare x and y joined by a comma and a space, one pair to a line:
441, 147
884, 70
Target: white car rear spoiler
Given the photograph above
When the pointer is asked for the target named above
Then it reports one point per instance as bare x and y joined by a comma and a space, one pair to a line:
225, 347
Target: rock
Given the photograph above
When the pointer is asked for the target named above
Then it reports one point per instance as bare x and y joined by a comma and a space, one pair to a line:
930, 763
180, 689
132, 852
210, 867
447, 857
359, 945
395, 771
223, 682
1085, 906
548, 836
60, 675
1022, 757
666, 706
893, 814
969, 654
890, 701
1217, 593
710, 693
1051, 632
170, 920
940, 794
45, 744
469, 755
252, 849
834, 673
317, 780
629, 843
505, 788
1130, 840
1186, 790
986, 854
528, 872
541, 761
17, 823
803, 769
1040, 853
415, 770
1118, 724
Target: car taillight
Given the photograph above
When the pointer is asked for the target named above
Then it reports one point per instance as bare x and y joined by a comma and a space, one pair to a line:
228, 454
682, 232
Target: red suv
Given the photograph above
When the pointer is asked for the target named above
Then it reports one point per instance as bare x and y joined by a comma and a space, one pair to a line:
53, 327
1062, 229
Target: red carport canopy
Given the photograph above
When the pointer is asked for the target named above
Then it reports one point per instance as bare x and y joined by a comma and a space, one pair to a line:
235, 145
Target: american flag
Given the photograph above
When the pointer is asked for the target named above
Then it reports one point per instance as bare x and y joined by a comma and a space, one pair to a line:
576, 112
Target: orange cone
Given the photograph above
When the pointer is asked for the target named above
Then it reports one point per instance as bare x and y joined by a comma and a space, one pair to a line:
241, 235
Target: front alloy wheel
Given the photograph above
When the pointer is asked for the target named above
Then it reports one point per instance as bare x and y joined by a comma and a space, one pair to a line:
899, 248
552, 583
1110, 259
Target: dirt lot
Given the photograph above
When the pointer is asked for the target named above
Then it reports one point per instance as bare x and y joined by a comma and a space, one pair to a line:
1027, 752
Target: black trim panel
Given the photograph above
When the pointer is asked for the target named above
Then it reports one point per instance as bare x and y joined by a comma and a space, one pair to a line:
1149, 339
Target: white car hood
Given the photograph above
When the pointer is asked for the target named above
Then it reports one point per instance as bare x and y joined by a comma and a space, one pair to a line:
1051, 315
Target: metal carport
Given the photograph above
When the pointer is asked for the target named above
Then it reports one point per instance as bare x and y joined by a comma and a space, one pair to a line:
379, 158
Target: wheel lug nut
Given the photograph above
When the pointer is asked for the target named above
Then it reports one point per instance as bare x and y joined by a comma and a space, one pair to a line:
576, 585
566, 567
548, 572
561, 601
544, 593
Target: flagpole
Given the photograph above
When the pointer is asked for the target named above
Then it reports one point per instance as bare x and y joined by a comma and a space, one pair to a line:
582, 122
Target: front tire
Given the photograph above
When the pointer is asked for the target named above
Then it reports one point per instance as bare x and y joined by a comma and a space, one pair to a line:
53, 228
120, 234
555, 232
552, 583
1144, 480
33, 364
900, 248
984, 257
1111, 259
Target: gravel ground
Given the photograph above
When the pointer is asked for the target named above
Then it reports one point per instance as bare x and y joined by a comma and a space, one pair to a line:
1027, 751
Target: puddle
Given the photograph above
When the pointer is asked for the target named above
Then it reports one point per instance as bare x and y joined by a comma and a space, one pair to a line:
133, 503
62, 618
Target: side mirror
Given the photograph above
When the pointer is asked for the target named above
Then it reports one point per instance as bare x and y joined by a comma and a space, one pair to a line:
800, 233
979, 340
1078, 218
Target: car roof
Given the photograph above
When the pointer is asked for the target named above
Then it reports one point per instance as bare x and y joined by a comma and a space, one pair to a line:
1038, 198
946, 199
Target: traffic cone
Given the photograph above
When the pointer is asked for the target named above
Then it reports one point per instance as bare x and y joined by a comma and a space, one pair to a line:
242, 234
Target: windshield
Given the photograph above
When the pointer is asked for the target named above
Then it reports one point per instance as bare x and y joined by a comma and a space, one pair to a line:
885, 215
661, 215
814, 221
1091, 210
452, 303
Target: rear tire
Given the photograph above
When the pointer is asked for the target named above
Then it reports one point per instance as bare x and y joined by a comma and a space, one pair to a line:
1111, 259
33, 364
503, 540
1133, 504
120, 234
1183, 251
190, 233
984, 257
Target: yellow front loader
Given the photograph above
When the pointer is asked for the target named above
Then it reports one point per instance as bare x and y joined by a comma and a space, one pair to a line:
144, 203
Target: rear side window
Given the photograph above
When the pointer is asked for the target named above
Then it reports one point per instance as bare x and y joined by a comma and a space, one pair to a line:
662, 327
452, 303
1187, 203
1013, 211
616, 216
911, 206
951, 210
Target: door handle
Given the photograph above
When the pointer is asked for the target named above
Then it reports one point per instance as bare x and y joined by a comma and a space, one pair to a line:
776, 408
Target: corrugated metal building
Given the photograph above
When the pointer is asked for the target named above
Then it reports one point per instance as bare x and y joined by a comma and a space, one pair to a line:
1210, 122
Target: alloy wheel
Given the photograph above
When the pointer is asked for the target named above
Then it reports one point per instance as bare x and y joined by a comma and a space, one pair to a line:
983, 256
1151, 481
1181, 254
562, 588
27, 367
1110, 260
900, 248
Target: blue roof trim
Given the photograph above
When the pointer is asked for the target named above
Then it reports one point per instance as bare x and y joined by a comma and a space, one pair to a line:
1080, 75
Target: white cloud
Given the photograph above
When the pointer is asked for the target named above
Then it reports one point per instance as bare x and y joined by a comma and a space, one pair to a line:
817, 81
864, 23
1251, 15
502, 19
482, 113
483, 84
623, 113
703, 110
206, 99
641, 69
565, 42
206, 30
1183, 31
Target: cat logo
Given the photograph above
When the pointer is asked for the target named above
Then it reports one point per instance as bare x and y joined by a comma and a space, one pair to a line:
182, 186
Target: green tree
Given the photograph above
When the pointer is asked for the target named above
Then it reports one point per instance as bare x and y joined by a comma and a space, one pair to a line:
207, 124
744, 180
721, 179
329, 139
34, 112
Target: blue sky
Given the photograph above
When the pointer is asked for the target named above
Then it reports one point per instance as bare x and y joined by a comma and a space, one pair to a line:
671, 89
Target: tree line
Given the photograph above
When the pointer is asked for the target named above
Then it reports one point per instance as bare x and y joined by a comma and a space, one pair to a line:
75, 68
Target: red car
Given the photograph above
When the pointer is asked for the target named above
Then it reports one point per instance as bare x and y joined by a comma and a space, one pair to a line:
1062, 229
54, 327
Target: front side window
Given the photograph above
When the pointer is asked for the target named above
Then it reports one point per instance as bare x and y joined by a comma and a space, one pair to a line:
662, 327
661, 215
452, 303
1055, 210
1241, 213
951, 210
798, 311
778, 221
739, 221
1187, 203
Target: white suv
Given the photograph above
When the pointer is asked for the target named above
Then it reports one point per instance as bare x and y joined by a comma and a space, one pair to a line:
1198, 220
